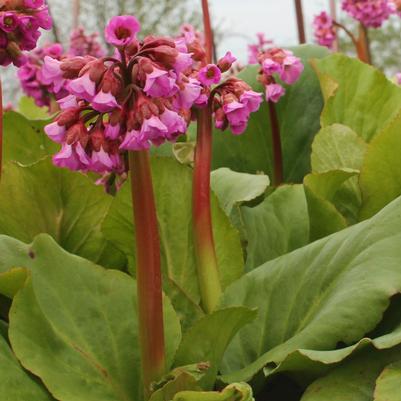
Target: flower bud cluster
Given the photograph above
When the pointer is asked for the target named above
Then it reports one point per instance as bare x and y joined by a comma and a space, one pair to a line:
37, 82
82, 44
371, 13
325, 33
279, 63
20, 21
255, 49
142, 96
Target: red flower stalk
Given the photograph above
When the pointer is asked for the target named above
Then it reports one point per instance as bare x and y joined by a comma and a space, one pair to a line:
207, 265
300, 21
149, 280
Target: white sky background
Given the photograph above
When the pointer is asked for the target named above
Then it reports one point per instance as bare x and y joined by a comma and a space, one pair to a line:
240, 20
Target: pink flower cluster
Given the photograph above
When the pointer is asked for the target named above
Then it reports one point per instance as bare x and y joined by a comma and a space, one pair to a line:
34, 75
255, 49
325, 33
34, 81
20, 21
85, 45
371, 13
142, 97
282, 63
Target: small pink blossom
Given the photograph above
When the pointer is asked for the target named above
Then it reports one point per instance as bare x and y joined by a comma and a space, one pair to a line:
160, 83
209, 75
83, 87
122, 30
274, 92
104, 102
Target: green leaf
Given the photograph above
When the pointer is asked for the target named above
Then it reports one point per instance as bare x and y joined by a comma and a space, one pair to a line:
180, 379
232, 188
354, 380
17, 384
363, 98
207, 340
321, 190
233, 392
337, 147
24, 140
389, 383
381, 171
333, 290
74, 325
277, 226
172, 184
42, 198
298, 113
31, 111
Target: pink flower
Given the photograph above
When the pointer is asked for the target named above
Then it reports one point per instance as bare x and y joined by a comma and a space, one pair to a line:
112, 131
101, 162
271, 67
67, 102
274, 92
122, 30
226, 62
9, 21
104, 102
51, 74
160, 83
252, 100
56, 132
292, 69
190, 93
83, 87
371, 13
209, 75
135, 140
72, 157
325, 32
175, 124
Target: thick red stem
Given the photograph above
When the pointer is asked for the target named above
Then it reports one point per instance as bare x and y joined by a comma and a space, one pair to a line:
363, 45
208, 31
300, 21
333, 12
149, 280
206, 259
208, 273
277, 148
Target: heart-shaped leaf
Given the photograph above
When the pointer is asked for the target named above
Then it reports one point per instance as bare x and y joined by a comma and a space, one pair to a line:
74, 325
42, 198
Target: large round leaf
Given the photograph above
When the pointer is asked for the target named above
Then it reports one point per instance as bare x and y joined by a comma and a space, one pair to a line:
298, 113
42, 198
74, 325
357, 95
334, 290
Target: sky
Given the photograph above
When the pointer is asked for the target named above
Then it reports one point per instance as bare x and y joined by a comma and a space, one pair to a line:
240, 20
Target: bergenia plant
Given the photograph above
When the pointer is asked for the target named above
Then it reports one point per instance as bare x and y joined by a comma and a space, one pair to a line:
116, 109
369, 14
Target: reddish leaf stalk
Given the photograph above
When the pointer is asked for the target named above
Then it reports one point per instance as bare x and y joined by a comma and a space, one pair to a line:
277, 147
333, 12
300, 21
363, 47
206, 259
149, 280
205, 252
1, 129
